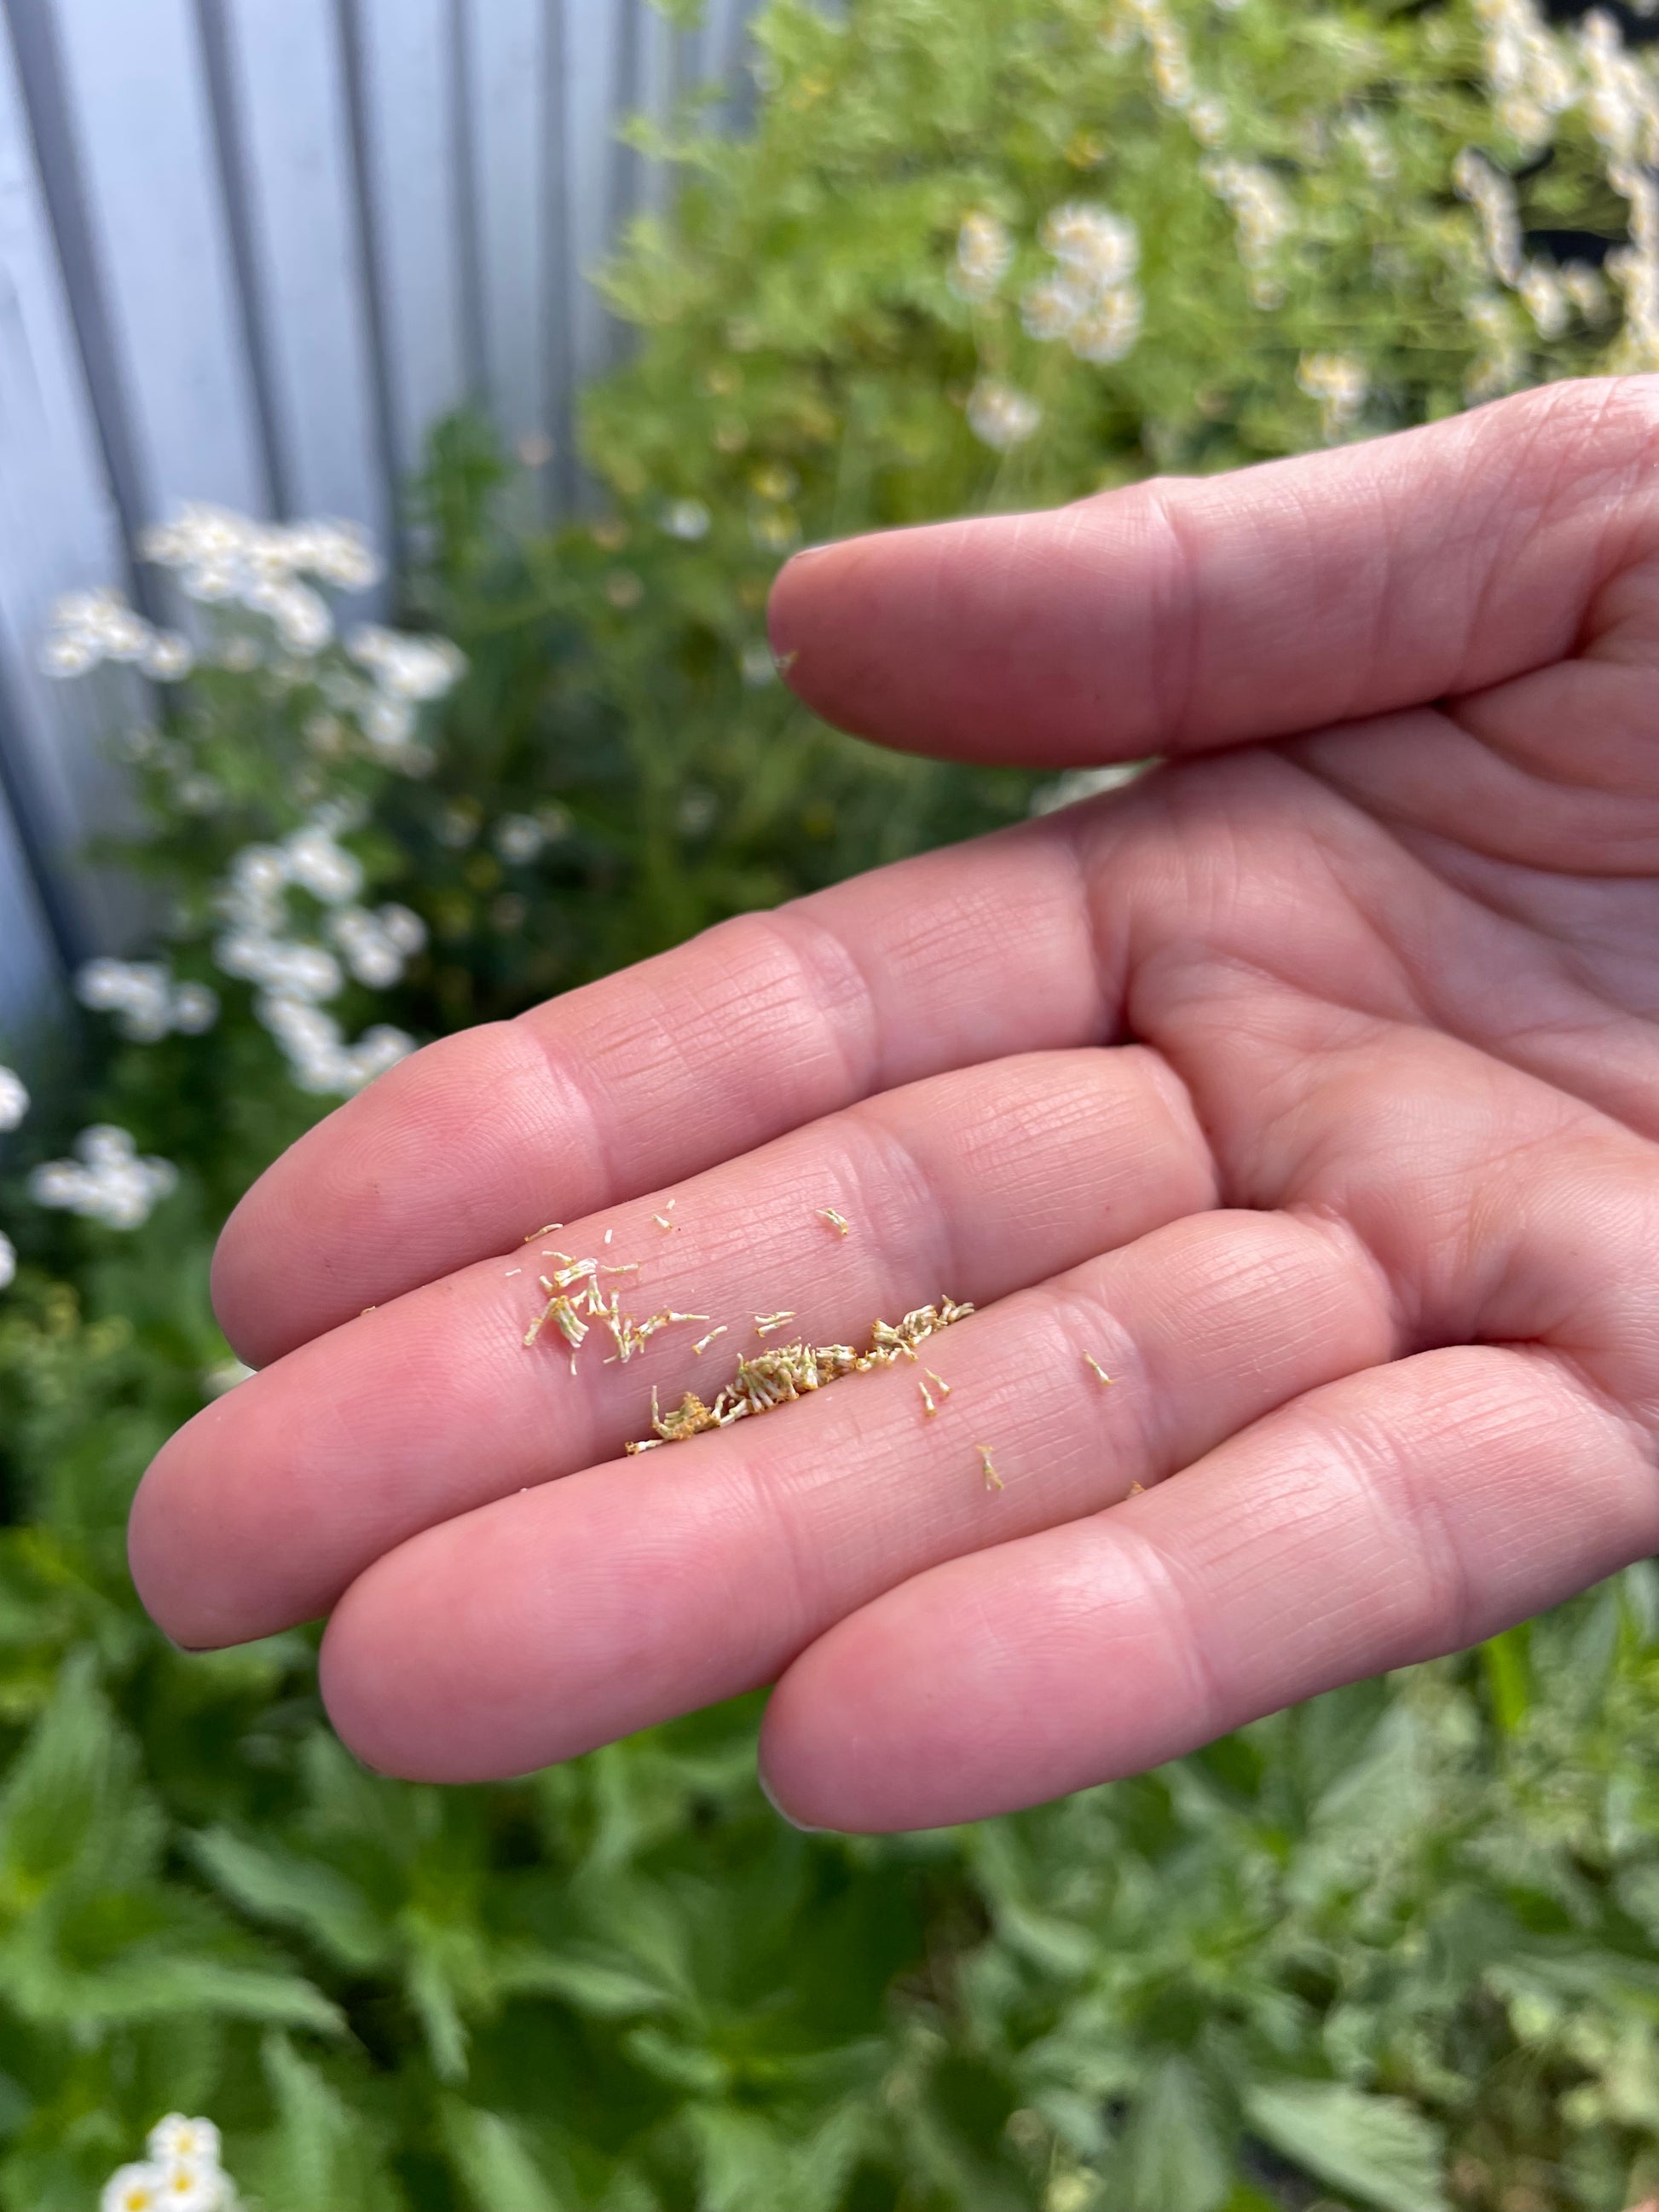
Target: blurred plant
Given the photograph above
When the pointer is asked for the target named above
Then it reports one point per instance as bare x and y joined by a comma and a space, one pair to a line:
1395, 1950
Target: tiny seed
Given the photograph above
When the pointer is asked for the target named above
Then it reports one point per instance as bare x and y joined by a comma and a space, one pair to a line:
993, 1479
1098, 1369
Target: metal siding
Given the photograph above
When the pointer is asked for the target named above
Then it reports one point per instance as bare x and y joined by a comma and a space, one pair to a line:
249, 250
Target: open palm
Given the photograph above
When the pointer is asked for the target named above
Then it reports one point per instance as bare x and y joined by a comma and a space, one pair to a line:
1309, 1085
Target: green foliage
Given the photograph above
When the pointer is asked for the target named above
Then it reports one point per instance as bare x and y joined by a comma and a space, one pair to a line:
1398, 1946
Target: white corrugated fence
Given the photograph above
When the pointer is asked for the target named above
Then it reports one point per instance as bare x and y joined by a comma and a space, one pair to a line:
249, 250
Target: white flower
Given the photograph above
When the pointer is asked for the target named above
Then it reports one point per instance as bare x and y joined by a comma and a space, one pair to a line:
519, 837
87, 628
1338, 382
984, 251
169, 659
143, 999
191, 2185
686, 518
1052, 308
416, 669
320, 865
1261, 213
1109, 331
106, 1183
194, 2142
1000, 416
1095, 246
8, 1261
1206, 119
226, 1377
14, 1100
1492, 198
132, 2189
758, 664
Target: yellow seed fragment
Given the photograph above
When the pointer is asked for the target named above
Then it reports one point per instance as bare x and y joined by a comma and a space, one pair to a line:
781, 1373
1098, 1369
838, 1222
993, 1479
1137, 1490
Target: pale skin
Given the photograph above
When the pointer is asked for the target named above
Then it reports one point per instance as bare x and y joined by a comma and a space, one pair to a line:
1309, 1086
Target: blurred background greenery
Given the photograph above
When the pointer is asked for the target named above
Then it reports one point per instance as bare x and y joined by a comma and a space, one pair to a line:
1395, 1950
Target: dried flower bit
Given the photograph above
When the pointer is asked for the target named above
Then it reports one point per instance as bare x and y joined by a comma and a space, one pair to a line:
609, 1234
938, 1382
513, 1271
838, 1222
993, 1479
650, 1443
546, 1229
703, 1342
1137, 1490
662, 1221
929, 1409
621, 1267
766, 1323
1098, 1369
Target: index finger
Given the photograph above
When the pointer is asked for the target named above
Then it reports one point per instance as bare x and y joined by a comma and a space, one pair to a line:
1183, 614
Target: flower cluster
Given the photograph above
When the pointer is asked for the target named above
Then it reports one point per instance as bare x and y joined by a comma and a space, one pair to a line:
1091, 299
407, 673
984, 251
1000, 416
146, 1002
1258, 206
1491, 194
297, 975
182, 2172
223, 559
1530, 76
84, 629
1339, 383
14, 1105
106, 1181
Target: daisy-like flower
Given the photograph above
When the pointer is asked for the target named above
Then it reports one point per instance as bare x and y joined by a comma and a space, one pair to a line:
106, 1182
1338, 382
984, 251
132, 2189
14, 1100
1001, 416
176, 2138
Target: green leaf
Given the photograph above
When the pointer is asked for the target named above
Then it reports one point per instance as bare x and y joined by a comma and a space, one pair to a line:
605, 1988
1380, 2149
1175, 2158
289, 1891
495, 2168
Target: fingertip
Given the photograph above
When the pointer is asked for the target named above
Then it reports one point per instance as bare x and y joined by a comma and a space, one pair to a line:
167, 1537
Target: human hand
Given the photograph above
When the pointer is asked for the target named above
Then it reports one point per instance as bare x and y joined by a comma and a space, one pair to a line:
1309, 1084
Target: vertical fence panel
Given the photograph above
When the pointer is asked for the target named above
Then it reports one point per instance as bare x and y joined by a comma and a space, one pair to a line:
28, 965
506, 85
411, 107
593, 56
58, 531
293, 133
144, 142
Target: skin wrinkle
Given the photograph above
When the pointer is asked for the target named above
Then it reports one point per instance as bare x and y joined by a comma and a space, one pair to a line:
1174, 584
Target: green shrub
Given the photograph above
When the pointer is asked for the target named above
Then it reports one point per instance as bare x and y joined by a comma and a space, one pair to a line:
1396, 1947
